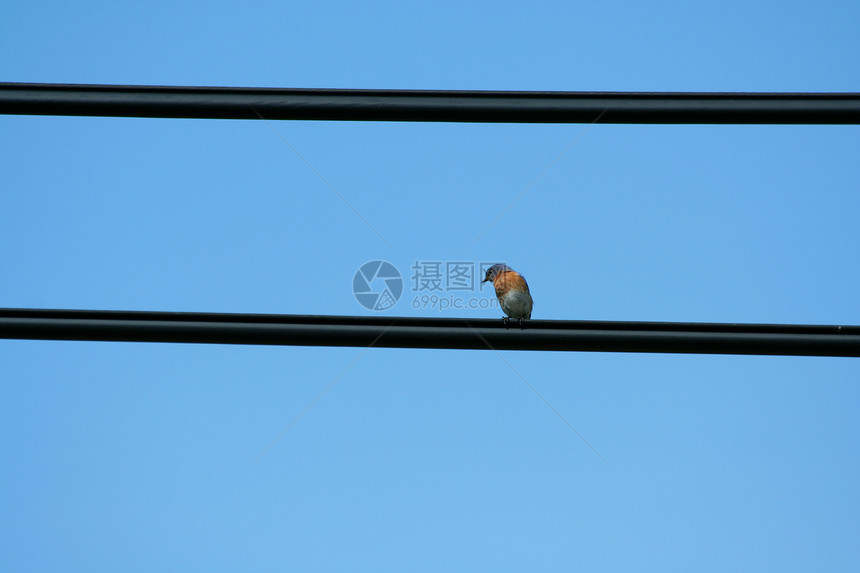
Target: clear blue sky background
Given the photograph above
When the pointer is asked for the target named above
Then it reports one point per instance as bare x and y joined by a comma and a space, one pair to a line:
141, 457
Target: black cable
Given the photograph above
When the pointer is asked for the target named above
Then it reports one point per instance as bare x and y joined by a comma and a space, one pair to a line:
426, 105
401, 332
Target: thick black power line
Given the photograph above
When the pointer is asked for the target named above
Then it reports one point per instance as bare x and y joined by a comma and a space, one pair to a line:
400, 332
427, 105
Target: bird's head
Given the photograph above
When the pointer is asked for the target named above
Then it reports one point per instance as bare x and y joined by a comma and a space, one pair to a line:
494, 270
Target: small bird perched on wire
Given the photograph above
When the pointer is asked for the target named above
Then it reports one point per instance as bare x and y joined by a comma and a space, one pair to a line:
512, 292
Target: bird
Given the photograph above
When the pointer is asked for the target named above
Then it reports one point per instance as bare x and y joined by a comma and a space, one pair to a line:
512, 290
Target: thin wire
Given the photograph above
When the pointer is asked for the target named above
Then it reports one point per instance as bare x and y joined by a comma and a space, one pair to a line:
541, 174
557, 413
320, 395
324, 180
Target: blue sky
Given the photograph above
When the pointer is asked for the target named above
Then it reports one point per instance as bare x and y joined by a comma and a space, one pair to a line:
143, 456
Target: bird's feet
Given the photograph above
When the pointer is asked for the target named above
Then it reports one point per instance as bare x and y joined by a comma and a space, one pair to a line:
520, 321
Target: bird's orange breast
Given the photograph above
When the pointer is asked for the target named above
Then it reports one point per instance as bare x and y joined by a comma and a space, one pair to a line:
509, 280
